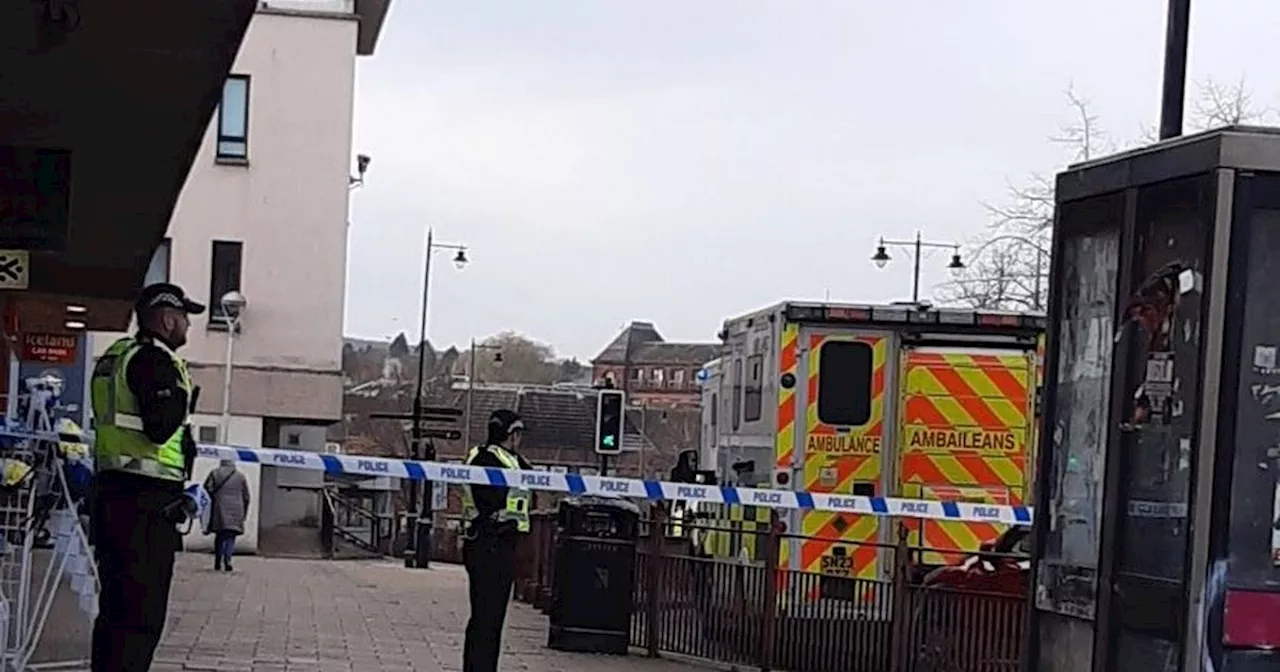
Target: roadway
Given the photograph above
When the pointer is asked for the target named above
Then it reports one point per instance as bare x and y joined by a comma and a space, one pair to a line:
282, 615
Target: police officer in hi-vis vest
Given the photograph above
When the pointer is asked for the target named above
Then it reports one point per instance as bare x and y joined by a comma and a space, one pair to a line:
142, 396
495, 517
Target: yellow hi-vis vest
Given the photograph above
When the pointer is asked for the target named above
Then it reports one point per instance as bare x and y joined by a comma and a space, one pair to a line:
517, 509
675, 521
119, 442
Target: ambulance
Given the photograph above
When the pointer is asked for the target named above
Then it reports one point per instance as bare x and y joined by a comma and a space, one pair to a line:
899, 400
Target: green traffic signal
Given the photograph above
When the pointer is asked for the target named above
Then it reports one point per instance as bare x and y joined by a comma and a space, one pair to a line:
607, 440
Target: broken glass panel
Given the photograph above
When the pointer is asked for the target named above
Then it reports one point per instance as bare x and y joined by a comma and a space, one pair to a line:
1090, 252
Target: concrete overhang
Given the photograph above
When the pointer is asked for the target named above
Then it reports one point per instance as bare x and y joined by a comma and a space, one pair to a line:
103, 105
372, 14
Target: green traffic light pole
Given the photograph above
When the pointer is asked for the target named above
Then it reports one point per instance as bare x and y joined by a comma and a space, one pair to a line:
604, 459
610, 436
607, 441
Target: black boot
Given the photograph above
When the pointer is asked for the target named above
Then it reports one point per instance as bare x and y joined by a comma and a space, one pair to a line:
217, 561
226, 564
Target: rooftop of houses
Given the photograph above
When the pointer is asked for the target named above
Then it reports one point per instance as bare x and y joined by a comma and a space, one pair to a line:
640, 343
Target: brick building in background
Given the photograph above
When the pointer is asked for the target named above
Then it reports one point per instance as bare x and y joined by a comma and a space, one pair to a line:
654, 372
662, 418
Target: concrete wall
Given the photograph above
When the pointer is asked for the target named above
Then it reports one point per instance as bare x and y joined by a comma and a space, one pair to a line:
289, 495
244, 431
287, 204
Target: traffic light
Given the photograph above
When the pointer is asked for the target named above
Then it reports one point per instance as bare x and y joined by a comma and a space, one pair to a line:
609, 422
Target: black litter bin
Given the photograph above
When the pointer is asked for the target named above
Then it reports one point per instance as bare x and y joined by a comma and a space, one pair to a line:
595, 565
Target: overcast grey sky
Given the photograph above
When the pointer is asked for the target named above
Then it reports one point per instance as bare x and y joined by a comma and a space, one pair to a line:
683, 161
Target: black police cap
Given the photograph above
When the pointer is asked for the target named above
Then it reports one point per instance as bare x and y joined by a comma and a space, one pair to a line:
166, 295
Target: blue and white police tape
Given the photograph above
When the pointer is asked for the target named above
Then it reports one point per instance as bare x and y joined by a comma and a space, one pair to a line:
608, 486
604, 486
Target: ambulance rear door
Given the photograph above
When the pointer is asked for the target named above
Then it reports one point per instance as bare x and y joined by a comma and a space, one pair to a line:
843, 375
966, 417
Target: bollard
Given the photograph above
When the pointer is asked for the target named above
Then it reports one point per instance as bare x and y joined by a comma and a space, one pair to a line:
422, 542
769, 624
653, 577
900, 632
326, 524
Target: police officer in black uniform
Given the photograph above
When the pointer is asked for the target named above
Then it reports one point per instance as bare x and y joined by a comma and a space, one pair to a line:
143, 450
495, 520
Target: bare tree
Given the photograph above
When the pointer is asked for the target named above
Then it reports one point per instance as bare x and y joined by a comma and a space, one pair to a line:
999, 278
1219, 104
1008, 267
1083, 137
1216, 105
510, 357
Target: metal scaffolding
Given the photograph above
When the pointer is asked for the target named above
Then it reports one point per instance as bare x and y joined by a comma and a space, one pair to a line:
39, 517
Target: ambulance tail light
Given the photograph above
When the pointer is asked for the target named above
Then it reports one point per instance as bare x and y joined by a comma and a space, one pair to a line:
848, 314
999, 319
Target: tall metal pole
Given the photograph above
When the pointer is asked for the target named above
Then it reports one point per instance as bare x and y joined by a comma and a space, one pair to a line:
471, 387
1173, 96
644, 438
417, 536
915, 283
225, 429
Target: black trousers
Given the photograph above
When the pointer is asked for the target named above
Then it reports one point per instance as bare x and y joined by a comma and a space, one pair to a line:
490, 562
135, 547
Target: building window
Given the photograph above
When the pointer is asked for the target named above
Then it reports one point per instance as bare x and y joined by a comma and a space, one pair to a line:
233, 119
844, 383
207, 434
637, 375
754, 398
737, 393
158, 269
657, 377
224, 276
677, 377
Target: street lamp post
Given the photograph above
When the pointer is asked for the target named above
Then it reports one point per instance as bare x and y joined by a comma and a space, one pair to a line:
418, 550
471, 384
1174, 90
881, 257
233, 304
1042, 255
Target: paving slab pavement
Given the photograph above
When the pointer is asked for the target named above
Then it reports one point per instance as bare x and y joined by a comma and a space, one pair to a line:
281, 615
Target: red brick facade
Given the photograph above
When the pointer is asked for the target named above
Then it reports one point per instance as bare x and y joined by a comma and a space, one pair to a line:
654, 372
